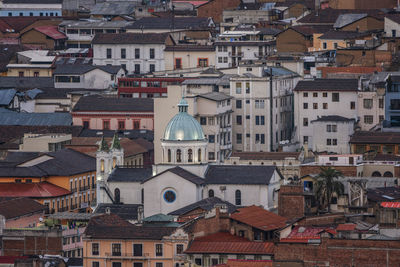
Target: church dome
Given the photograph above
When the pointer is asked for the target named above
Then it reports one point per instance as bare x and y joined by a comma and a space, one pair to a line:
183, 127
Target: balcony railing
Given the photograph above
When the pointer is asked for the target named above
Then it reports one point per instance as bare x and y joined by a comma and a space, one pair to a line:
127, 255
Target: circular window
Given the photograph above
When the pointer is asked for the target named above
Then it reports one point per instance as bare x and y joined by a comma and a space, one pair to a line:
169, 196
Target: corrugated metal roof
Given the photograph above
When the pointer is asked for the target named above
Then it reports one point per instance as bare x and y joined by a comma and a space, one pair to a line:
43, 119
51, 31
113, 8
6, 96
259, 218
392, 205
346, 19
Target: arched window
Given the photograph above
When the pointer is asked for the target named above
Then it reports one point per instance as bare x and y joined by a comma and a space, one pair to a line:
178, 156
114, 162
210, 193
117, 195
238, 198
102, 165
199, 155
376, 174
169, 155
388, 174
190, 155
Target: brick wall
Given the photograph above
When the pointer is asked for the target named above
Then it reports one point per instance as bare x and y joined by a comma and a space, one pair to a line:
211, 224
291, 201
342, 252
327, 219
345, 170
214, 9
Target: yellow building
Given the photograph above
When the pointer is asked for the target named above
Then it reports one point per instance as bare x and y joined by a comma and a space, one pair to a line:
110, 241
189, 56
31, 63
62, 180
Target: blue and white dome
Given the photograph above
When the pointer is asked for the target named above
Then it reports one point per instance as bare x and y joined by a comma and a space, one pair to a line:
183, 127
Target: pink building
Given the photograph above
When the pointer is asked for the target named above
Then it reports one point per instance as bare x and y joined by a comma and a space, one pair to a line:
111, 113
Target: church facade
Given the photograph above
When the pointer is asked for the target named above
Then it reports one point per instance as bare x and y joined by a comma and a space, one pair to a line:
184, 176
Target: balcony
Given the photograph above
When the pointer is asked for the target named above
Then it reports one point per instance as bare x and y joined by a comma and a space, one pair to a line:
145, 256
236, 54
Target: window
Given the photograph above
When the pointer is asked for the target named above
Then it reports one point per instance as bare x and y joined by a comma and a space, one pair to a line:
238, 88
121, 125
238, 138
325, 105
178, 155
331, 142
324, 94
335, 45
95, 264
315, 94
305, 105
335, 97
95, 248
106, 125
137, 53
260, 120
305, 139
136, 125
137, 250
21, 74
211, 120
368, 103
179, 249
324, 45
203, 120
210, 193
36, 74
381, 118
238, 198
352, 105
116, 264
137, 68
197, 261
138, 264
260, 104
219, 59
331, 128
152, 53
239, 120
190, 155
315, 105
238, 104
247, 88
305, 94
159, 250
380, 102
211, 155
368, 119
305, 122
159, 264
152, 68
123, 53
393, 33
203, 62
211, 138
109, 54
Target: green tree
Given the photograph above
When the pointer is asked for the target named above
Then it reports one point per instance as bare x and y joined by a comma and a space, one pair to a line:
327, 185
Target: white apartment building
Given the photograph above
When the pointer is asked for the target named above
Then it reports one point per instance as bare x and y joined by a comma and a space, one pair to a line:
262, 120
243, 45
137, 53
314, 99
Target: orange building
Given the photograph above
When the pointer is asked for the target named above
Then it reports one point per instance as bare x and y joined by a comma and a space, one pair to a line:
62, 180
109, 241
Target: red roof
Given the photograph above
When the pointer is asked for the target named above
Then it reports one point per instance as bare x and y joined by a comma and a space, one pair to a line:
303, 234
51, 31
393, 205
346, 227
33, 190
247, 263
259, 218
224, 242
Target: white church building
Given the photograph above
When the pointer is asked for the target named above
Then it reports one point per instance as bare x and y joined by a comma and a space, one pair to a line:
184, 176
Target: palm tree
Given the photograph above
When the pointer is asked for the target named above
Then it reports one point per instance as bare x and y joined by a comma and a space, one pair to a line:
327, 184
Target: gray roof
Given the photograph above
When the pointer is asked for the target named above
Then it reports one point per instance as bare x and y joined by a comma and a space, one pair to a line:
96, 24
34, 119
130, 174
26, 82
6, 96
125, 211
215, 96
130, 38
32, 2
327, 85
343, 35
182, 173
171, 23
233, 174
205, 204
83, 68
278, 71
71, 216
110, 104
346, 19
333, 118
201, 81
113, 8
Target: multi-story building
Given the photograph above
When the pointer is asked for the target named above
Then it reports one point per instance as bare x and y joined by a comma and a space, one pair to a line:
136, 52
80, 33
32, 8
111, 241
392, 101
262, 108
243, 45
189, 56
314, 99
145, 87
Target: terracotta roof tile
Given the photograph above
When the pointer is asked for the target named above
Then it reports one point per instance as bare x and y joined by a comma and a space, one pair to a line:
364, 137
247, 263
224, 242
259, 218
346, 227
303, 234
51, 31
33, 190
18, 207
